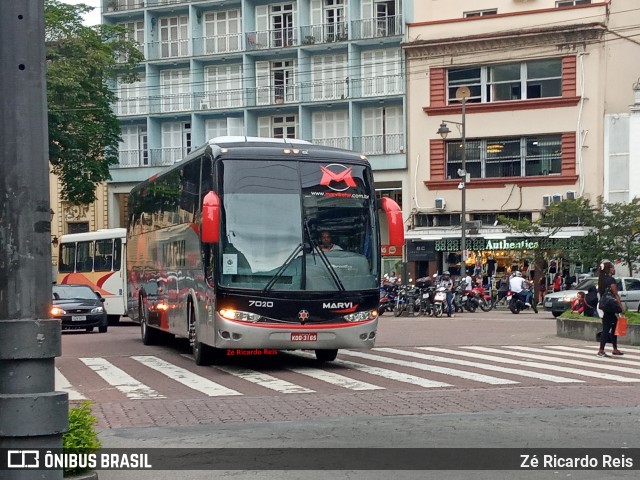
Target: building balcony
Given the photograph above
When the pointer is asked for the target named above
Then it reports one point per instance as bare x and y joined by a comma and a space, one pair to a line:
153, 157
168, 49
303, 92
339, 142
324, 33
123, 5
217, 44
379, 144
269, 39
389, 26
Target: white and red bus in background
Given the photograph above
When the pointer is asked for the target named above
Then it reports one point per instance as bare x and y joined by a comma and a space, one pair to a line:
224, 248
97, 259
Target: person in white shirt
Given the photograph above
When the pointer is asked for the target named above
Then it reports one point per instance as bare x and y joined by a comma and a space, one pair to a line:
468, 283
517, 286
447, 283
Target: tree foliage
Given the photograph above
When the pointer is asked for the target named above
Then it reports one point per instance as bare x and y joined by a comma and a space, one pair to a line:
612, 230
84, 132
618, 225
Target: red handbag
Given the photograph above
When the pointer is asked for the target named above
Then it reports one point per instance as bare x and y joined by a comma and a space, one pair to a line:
621, 327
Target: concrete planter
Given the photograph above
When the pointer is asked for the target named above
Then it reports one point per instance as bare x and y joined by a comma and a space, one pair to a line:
587, 330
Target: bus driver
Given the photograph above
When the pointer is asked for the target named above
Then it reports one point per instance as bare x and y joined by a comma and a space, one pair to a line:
326, 243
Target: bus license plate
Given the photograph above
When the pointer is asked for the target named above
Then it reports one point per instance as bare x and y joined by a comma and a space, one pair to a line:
304, 337
78, 318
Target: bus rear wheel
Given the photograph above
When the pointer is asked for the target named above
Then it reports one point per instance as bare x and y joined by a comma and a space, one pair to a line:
326, 355
113, 319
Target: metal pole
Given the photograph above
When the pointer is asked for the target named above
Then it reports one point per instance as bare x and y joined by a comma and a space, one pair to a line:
32, 414
463, 219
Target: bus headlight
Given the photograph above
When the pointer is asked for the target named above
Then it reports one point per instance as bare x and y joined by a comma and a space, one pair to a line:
239, 316
361, 316
97, 310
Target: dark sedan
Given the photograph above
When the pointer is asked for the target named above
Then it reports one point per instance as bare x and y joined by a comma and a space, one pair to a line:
78, 307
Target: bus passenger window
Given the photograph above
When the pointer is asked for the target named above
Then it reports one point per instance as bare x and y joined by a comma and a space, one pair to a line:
117, 249
84, 258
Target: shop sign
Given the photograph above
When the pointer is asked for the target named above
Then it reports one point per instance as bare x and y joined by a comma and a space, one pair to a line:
421, 251
453, 244
391, 250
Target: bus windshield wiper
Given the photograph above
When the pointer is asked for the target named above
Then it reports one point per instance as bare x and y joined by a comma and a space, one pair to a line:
282, 268
325, 260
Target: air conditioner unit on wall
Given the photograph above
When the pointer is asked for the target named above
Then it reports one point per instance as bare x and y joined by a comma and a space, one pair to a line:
557, 198
546, 200
440, 203
205, 105
572, 194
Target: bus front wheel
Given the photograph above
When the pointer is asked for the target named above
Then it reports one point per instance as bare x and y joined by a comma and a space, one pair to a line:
149, 335
326, 355
202, 354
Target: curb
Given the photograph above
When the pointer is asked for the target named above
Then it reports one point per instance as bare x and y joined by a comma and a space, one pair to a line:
587, 330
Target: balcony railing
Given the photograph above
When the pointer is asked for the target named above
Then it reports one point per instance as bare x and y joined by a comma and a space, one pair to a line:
319, 91
132, 106
123, 5
378, 86
219, 99
178, 102
379, 144
339, 142
155, 3
132, 158
217, 44
266, 39
168, 49
377, 27
324, 33
160, 157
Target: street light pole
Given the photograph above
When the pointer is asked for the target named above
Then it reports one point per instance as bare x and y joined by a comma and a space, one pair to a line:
463, 219
462, 93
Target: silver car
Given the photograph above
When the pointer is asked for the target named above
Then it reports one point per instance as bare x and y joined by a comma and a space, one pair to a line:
628, 289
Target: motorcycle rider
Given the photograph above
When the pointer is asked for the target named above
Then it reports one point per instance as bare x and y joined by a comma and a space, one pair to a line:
518, 286
447, 283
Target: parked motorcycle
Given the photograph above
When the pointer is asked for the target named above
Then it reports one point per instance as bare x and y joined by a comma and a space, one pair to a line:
400, 304
439, 301
387, 298
482, 298
517, 304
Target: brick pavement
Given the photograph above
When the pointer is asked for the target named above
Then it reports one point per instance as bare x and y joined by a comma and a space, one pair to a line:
365, 404
492, 328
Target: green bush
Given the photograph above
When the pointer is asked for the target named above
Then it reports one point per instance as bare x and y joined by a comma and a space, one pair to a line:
82, 437
632, 317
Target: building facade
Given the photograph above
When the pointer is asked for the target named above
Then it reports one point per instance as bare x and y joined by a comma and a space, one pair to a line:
537, 80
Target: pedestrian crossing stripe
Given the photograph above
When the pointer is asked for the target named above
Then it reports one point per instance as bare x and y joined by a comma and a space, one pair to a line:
433, 368
482, 366
528, 363
264, 380
121, 380
383, 372
566, 361
185, 377
569, 365
64, 385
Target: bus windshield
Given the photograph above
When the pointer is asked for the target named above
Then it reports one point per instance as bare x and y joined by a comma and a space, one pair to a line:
297, 226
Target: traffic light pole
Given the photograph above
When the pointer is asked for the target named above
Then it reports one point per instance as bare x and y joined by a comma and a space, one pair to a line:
32, 414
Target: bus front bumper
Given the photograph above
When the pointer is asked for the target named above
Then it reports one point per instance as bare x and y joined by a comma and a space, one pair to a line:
240, 335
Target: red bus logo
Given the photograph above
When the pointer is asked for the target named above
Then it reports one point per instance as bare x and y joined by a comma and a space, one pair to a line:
337, 174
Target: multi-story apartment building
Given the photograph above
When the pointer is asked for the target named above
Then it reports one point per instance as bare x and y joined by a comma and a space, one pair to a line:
327, 71
538, 79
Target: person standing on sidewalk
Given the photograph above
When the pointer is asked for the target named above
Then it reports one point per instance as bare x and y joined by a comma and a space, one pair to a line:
606, 281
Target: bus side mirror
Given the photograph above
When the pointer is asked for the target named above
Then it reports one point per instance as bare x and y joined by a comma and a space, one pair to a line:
210, 218
394, 219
